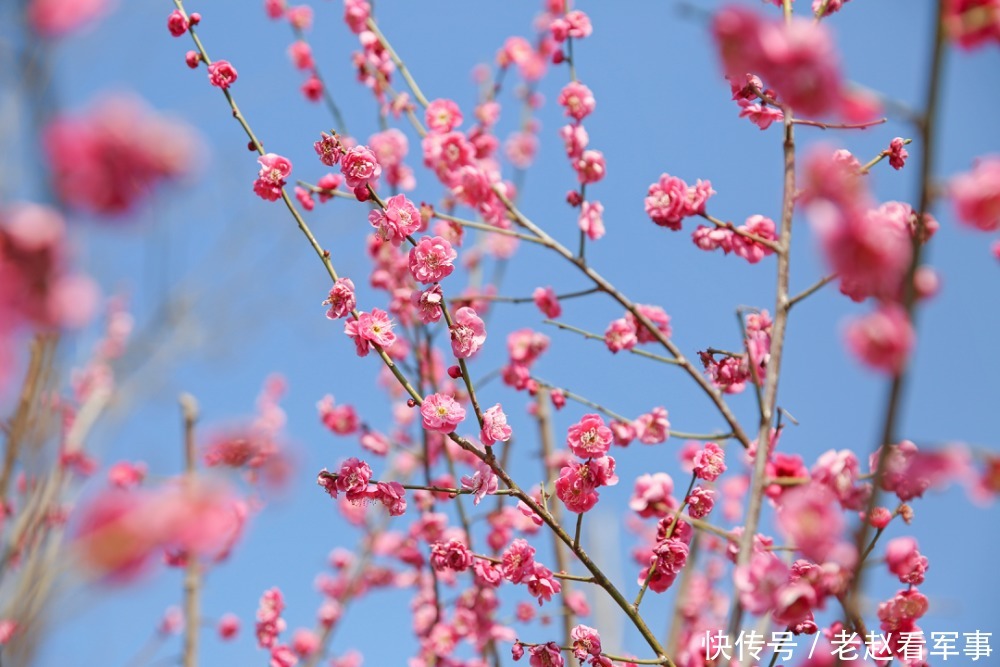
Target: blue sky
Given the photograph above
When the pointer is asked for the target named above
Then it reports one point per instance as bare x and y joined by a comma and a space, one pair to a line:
255, 286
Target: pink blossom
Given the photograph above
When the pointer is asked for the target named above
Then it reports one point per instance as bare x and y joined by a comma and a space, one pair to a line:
589, 437
760, 113
282, 656
341, 299
651, 496
432, 259
305, 198
546, 300
495, 428
575, 24
545, 655
451, 555
300, 17
624, 433
590, 166
653, 427
972, 23
361, 169
909, 472
839, 471
56, 18
577, 99
329, 150
269, 621
976, 194
441, 413
882, 339
666, 202
521, 148
811, 518
177, 23
586, 642
393, 496
229, 626
654, 314
620, 335
274, 9
274, 169
107, 159
172, 622
541, 584
870, 249
376, 327
575, 139
591, 220
301, 56
750, 250
428, 303
125, 475
305, 642
341, 419
700, 502
713, 238
576, 488
483, 483
221, 74
468, 334
442, 116
904, 561
525, 346
518, 561
352, 479
356, 14
758, 581
897, 153
709, 462
399, 219
797, 59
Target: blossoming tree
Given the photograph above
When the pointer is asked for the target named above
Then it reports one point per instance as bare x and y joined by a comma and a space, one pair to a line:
489, 503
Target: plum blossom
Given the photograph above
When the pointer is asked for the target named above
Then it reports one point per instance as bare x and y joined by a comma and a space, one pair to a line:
882, 339
399, 219
222, 74
797, 59
482, 483
432, 259
651, 496
709, 462
620, 335
495, 428
586, 642
653, 427
976, 194
442, 116
274, 169
341, 299
441, 413
360, 168
589, 437
905, 561
468, 334
897, 153
577, 99
546, 300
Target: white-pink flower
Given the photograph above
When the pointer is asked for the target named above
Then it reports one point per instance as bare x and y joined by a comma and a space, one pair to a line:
495, 428
441, 413
432, 259
482, 483
468, 333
